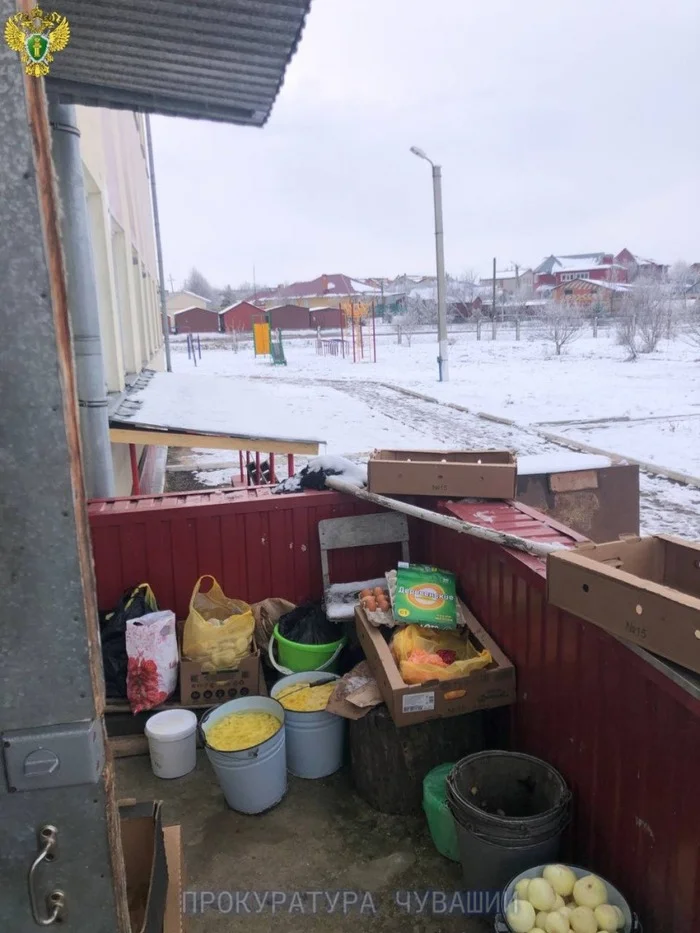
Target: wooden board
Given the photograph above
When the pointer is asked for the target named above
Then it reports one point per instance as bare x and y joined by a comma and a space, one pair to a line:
212, 441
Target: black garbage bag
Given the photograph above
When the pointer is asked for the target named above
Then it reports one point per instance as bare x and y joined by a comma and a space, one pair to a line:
135, 602
309, 625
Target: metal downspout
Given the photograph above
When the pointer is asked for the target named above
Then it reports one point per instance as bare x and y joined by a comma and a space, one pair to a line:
82, 302
159, 246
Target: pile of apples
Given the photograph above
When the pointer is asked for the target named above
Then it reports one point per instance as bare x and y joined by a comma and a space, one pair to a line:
558, 902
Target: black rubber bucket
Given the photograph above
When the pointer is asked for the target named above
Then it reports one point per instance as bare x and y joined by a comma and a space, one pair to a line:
510, 811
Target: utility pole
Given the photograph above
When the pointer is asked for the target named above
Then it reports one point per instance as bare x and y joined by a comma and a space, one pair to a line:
172, 287
443, 362
493, 303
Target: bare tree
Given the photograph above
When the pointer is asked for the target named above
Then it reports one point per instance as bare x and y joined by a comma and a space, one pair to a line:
198, 284
562, 323
419, 312
646, 316
692, 329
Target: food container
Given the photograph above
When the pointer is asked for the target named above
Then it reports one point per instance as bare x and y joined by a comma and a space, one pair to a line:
632, 924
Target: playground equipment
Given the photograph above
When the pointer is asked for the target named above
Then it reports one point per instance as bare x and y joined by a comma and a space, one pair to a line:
265, 345
357, 314
194, 348
277, 351
261, 338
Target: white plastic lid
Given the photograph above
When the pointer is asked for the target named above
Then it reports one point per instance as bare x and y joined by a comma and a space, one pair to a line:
171, 725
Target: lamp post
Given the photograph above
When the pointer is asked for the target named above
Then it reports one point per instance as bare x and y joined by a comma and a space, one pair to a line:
443, 363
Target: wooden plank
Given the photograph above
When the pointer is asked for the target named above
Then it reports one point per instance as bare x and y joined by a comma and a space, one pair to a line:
573, 482
128, 746
213, 441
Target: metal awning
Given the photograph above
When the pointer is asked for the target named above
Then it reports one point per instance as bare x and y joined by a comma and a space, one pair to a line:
216, 59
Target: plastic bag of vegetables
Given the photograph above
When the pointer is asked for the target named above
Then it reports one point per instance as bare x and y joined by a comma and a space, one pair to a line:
424, 654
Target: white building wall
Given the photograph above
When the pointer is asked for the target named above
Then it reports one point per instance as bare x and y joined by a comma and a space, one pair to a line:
113, 148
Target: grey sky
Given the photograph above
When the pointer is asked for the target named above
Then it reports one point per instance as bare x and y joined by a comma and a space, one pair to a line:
561, 125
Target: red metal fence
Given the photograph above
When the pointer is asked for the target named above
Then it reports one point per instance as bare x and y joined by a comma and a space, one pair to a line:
623, 733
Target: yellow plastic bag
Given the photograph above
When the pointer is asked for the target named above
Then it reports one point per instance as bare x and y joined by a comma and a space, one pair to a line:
415, 649
219, 630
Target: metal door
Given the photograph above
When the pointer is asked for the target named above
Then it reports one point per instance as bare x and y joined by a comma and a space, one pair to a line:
52, 769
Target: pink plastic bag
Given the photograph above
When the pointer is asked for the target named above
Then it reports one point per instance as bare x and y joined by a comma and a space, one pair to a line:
151, 648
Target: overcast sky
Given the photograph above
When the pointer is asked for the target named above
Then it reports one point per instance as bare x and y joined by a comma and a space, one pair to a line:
560, 126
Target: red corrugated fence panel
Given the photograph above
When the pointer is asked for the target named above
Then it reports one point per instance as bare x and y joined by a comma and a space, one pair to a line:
624, 735
256, 545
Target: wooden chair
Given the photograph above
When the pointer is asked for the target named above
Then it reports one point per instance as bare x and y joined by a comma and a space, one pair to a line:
356, 531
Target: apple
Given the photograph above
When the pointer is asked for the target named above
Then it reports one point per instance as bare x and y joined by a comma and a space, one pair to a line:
541, 919
606, 917
520, 916
521, 888
590, 891
565, 911
537, 930
561, 878
582, 920
541, 894
620, 917
558, 902
556, 923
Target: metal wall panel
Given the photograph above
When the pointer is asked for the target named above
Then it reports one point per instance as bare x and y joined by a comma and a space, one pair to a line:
623, 734
255, 544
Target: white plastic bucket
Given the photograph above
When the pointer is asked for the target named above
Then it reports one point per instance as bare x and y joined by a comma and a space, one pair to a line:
255, 779
172, 742
315, 741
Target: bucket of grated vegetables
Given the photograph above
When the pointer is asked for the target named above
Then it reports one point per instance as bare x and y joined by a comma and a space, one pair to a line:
315, 737
245, 742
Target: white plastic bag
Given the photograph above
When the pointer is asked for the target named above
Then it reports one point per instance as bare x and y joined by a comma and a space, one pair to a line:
151, 648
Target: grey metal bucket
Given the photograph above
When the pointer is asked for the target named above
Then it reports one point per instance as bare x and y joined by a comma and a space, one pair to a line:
255, 779
527, 810
315, 741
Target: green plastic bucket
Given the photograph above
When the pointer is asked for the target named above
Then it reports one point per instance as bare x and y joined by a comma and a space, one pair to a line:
296, 658
440, 820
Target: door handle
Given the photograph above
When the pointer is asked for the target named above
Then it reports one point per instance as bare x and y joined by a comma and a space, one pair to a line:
55, 900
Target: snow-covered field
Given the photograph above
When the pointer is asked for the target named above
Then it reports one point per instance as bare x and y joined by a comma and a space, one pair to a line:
647, 410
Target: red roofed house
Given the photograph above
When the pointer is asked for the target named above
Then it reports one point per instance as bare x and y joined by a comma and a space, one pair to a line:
600, 267
324, 291
587, 292
240, 317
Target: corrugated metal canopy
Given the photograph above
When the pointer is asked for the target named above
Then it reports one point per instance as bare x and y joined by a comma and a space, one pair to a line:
215, 59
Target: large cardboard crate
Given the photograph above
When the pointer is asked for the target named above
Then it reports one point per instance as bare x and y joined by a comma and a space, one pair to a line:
484, 474
490, 687
645, 590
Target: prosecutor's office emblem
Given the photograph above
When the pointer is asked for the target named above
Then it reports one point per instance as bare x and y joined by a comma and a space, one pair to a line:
36, 36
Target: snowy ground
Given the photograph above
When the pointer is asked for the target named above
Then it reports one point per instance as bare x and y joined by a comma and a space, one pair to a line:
583, 395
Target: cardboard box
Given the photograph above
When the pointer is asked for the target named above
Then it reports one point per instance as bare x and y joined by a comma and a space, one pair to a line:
146, 867
206, 688
484, 474
173, 921
484, 689
645, 590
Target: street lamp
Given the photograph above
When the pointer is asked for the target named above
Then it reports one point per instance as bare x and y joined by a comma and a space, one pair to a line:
443, 363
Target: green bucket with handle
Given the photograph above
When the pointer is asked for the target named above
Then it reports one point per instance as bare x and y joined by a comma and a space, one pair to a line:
293, 657
440, 820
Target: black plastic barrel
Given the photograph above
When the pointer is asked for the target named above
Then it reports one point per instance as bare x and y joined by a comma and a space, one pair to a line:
510, 811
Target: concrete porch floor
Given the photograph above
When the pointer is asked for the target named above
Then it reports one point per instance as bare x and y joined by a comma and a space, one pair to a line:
321, 838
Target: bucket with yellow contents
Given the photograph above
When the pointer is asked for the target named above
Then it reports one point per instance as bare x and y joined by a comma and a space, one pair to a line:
244, 740
315, 737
